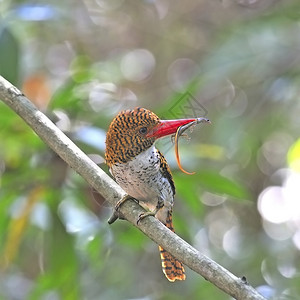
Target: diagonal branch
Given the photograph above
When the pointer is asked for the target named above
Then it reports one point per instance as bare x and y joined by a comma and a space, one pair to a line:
108, 188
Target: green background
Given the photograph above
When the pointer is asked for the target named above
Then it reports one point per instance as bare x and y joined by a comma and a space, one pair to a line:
80, 62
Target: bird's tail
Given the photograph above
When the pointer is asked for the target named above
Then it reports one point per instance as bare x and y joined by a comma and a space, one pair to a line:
172, 268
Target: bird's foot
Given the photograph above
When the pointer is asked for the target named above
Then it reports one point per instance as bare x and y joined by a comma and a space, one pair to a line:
117, 214
144, 215
159, 205
123, 200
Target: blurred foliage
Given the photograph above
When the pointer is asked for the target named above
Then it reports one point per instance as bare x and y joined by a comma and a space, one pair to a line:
236, 61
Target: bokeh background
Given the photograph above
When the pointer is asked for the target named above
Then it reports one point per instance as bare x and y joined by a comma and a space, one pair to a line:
82, 61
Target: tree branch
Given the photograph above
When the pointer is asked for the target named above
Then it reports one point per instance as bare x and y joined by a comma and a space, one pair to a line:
109, 189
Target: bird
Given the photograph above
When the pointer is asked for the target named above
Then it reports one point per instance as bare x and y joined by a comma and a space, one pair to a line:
142, 170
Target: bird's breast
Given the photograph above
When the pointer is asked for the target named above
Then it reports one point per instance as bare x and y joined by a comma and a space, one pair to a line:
142, 178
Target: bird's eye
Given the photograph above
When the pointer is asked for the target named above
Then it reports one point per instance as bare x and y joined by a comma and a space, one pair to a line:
143, 130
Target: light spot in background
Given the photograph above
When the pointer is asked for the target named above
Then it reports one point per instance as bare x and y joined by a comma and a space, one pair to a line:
100, 94
272, 205
282, 89
31, 12
181, 72
231, 100
77, 219
262, 40
266, 272
280, 204
58, 60
201, 242
82, 223
108, 5
108, 96
266, 291
9, 282
211, 199
238, 104
291, 194
218, 222
92, 136
286, 268
63, 122
41, 216
138, 64
272, 154
264, 166
279, 232
240, 157
279, 176
17, 207
296, 239
232, 242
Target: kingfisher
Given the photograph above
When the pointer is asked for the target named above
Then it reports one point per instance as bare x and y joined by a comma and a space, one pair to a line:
142, 170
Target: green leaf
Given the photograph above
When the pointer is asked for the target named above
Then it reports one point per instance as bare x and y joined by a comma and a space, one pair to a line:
212, 182
9, 58
132, 237
62, 272
66, 98
187, 190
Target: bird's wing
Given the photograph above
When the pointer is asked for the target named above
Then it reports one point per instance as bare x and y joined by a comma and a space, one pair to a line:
165, 170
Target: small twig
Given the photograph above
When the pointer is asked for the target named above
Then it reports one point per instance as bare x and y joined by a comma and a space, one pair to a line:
99, 180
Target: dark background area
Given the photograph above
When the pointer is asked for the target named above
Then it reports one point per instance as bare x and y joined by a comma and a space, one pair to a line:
81, 62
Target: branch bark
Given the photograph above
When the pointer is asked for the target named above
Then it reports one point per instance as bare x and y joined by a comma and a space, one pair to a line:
98, 179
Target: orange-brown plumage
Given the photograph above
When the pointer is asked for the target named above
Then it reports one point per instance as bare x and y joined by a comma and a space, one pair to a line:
142, 171
123, 139
172, 267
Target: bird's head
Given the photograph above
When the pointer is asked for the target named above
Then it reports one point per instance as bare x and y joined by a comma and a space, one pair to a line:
134, 131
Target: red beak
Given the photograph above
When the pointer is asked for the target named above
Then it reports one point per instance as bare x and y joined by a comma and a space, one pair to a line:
166, 127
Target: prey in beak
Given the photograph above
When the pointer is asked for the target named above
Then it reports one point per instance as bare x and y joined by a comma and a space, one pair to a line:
179, 132
175, 128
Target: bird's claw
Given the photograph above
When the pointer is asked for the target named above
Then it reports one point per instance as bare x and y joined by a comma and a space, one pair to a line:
144, 215
116, 213
123, 200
